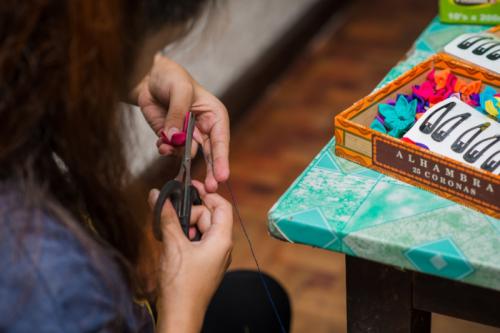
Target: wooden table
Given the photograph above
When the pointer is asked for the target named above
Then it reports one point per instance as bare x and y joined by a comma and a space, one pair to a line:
381, 298
409, 252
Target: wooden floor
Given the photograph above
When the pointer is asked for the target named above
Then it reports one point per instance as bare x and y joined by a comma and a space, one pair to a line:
274, 142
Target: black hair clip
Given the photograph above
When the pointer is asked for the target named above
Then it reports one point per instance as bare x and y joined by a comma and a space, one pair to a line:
490, 164
427, 127
468, 42
494, 55
473, 154
485, 47
440, 134
460, 145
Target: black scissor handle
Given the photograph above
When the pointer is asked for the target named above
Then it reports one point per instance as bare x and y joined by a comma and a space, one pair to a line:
173, 191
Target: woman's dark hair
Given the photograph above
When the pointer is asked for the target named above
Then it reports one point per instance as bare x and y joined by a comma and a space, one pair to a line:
63, 65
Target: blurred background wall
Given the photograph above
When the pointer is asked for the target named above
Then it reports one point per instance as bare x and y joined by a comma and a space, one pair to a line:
228, 44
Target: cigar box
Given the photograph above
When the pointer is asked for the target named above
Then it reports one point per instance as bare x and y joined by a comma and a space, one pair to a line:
449, 178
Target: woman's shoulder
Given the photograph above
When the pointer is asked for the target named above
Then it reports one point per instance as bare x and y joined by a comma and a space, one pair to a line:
51, 281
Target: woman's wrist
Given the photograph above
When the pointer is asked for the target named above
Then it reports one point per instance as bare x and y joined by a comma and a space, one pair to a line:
179, 315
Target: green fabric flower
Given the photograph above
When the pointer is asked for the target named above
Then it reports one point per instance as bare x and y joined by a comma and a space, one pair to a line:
398, 118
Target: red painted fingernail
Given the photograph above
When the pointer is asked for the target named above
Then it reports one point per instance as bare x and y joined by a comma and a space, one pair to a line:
174, 137
178, 139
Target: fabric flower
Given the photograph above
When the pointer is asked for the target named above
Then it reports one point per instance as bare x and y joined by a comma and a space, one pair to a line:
424, 91
421, 102
441, 78
491, 108
430, 77
438, 86
466, 90
378, 126
400, 117
474, 100
489, 102
405, 139
472, 87
380, 118
446, 90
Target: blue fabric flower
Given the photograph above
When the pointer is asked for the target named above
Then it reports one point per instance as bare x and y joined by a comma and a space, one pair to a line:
487, 94
378, 126
400, 117
489, 103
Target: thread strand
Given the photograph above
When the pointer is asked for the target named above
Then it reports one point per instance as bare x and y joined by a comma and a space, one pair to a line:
250, 245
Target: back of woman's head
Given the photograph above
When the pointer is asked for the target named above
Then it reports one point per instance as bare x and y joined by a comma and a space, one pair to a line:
63, 68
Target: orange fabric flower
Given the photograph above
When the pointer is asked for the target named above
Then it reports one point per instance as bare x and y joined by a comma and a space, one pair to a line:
473, 87
441, 78
467, 89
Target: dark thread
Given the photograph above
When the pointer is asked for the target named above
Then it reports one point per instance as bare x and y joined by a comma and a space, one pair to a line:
264, 283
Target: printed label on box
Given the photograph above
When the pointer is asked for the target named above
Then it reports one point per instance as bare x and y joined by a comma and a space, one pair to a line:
445, 176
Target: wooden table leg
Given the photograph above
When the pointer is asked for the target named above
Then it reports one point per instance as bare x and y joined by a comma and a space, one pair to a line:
379, 299
456, 299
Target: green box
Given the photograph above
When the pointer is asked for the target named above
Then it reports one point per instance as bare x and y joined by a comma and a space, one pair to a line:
470, 11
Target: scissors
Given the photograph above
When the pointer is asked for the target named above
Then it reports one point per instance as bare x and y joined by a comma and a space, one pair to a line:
181, 193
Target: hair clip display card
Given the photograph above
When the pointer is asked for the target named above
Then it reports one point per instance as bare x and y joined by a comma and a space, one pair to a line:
458, 131
480, 49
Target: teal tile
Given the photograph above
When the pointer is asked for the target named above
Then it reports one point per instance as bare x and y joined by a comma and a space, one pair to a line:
495, 223
369, 173
395, 181
391, 202
310, 224
424, 46
326, 162
348, 167
338, 195
471, 231
441, 257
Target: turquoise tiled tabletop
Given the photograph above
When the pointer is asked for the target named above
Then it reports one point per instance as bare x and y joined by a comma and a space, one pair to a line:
341, 206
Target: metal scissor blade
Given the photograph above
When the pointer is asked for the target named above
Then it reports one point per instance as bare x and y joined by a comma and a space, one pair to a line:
186, 161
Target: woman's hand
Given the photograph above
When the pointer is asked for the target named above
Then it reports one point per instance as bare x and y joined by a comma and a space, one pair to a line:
190, 272
165, 96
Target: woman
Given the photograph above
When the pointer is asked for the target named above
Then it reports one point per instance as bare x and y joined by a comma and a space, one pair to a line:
70, 226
